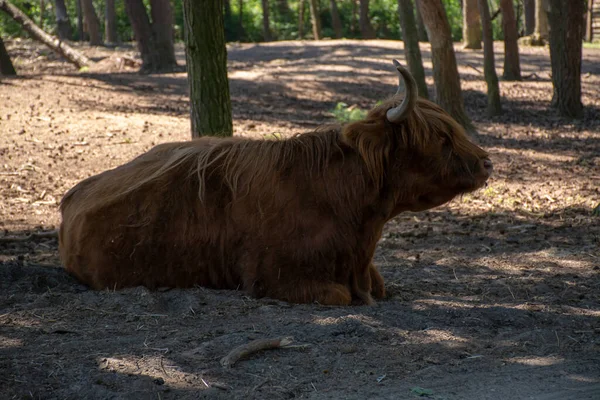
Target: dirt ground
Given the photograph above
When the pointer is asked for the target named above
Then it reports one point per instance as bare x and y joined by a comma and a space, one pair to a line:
493, 296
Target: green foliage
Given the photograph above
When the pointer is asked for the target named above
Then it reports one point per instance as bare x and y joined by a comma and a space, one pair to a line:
344, 113
383, 14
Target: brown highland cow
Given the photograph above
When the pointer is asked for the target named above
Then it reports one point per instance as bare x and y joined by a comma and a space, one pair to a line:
295, 219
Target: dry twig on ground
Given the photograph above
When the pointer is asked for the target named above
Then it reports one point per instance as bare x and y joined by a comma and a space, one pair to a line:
256, 346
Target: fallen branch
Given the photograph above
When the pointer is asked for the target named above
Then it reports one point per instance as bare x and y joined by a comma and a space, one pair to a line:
34, 235
255, 346
66, 51
475, 68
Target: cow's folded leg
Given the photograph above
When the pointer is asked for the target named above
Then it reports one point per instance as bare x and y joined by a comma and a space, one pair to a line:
326, 293
361, 286
377, 283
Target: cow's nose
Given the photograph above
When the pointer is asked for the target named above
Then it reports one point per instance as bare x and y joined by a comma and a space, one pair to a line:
487, 164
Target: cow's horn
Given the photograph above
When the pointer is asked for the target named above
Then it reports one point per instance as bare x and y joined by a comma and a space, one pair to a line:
399, 113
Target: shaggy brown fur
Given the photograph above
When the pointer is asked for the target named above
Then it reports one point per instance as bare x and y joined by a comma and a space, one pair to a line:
295, 219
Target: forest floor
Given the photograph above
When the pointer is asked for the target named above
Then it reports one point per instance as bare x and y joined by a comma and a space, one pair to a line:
493, 296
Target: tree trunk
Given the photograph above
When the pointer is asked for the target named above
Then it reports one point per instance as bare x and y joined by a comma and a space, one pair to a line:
92, 22
529, 16
471, 25
540, 34
493, 90
314, 19
512, 65
284, 11
42, 10
589, 22
566, 36
206, 57
81, 36
266, 24
421, 26
55, 44
6, 65
353, 17
411, 45
63, 24
241, 33
366, 29
154, 54
335, 20
110, 22
301, 7
162, 28
445, 72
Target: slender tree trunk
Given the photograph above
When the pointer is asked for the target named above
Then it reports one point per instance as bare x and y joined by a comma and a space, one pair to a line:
335, 20
366, 29
411, 45
315, 19
55, 44
471, 25
207, 68
6, 65
284, 11
353, 17
91, 22
566, 36
162, 29
512, 65
529, 16
301, 7
421, 26
42, 11
156, 55
540, 34
63, 24
445, 71
494, 107
266, 24
110, 22
589, 23
241, 32
80, 31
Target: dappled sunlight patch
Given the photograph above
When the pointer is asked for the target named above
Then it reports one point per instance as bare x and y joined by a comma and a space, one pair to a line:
536, 361
449, 338
6, 342
583, 378
158, 368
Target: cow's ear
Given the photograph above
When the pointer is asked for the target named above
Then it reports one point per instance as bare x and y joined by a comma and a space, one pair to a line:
371, 141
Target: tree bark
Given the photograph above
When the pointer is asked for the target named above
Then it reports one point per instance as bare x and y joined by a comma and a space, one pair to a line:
92, 22
471, 25
494, 107
512, 65
353, 18
284, 11
241, 33
6, 65
589, 22
110, 22
335, 19
445, 72
81, 36
156, 55
42, 11
364, 21
566, 37
55, 44
265, 20
301, 7
63, 24
529, 16
315, 19
540, 33
421, 27
162, 29
206, 57
412, 51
